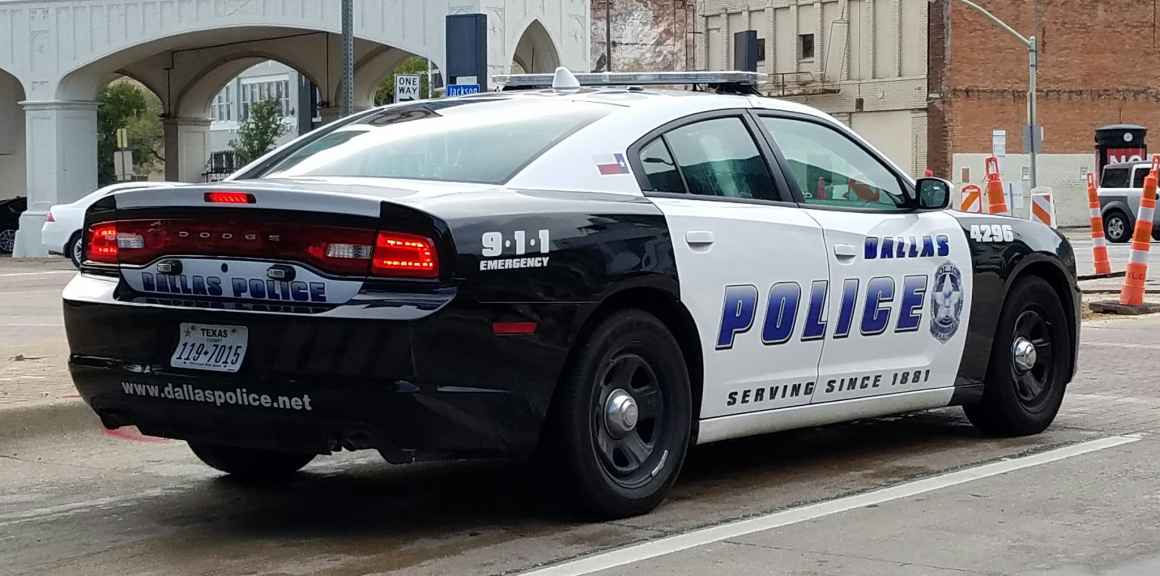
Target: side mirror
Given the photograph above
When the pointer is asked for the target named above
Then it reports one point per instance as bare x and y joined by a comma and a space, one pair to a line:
933, 193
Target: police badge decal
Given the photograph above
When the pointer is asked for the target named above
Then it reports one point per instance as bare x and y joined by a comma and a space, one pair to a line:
946, 305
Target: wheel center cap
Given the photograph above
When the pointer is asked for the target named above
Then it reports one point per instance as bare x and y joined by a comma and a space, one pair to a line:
1023, 351
620, 413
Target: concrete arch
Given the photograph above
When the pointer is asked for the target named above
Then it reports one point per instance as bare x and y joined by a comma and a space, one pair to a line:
12, 137
535, 51
198, 90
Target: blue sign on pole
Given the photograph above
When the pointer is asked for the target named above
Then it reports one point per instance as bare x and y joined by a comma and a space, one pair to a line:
462, 89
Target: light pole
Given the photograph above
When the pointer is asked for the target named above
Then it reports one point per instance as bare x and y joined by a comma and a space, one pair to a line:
347, 103
1033, 71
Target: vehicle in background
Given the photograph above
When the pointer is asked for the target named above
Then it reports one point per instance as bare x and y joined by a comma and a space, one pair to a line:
1119, 192
61, 233
9, 221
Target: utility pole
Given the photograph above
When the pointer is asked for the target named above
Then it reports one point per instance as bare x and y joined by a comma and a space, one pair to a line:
1032, 86
347, 57
608, 35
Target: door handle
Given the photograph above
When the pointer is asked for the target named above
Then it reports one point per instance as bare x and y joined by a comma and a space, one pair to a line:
845, 251
699, 238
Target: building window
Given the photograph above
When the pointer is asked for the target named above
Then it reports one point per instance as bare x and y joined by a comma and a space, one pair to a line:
805, 46
761, 49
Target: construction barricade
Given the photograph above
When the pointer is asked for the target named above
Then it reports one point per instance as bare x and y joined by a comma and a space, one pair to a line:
1042, 207
971, 199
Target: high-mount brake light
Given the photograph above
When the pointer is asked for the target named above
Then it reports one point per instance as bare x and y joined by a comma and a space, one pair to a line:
229, 198
102, 243
404, 255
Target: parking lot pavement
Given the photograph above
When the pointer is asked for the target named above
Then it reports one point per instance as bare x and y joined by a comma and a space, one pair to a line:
76, 500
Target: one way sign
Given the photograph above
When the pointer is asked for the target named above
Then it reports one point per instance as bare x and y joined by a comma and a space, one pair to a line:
406, 87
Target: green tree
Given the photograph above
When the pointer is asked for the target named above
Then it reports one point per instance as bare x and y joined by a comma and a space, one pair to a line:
259, 132
124, 104
385, 93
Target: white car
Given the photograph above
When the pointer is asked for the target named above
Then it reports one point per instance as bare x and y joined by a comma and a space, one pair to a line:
61, 233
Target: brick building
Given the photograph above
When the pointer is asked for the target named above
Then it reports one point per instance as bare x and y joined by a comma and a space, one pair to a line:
1098, 66
646, 34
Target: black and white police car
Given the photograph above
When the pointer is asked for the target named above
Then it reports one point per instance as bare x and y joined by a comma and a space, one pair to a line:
583, 269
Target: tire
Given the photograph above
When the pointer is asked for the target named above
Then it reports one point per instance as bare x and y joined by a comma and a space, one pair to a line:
1016, 401
251, 464
614, 472
7, 240
74, 250
1117, 227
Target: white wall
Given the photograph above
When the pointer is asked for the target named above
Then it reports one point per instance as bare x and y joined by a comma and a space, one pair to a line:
1065, 174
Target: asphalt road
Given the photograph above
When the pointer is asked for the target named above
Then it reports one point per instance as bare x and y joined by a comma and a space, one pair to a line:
918, 494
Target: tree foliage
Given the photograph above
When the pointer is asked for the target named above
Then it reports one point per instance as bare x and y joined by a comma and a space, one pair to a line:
125, 104
258, 134
385, 93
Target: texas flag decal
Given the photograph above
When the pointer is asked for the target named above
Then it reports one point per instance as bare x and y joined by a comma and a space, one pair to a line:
611, 164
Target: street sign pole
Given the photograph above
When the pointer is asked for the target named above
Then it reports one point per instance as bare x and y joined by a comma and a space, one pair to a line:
347, 57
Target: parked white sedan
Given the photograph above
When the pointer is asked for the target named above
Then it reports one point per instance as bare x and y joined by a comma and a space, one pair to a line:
61, 233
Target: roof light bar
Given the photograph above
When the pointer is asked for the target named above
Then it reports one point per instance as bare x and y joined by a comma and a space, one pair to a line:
709, 78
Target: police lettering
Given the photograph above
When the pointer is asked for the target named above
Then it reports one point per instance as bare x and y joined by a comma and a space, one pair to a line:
245, 288
926, 246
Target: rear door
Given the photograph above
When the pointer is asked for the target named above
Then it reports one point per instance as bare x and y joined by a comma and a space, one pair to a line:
900, 279
750, 262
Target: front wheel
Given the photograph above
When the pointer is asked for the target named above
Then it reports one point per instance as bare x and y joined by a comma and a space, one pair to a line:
622, 422
1117, 227
1030, 363
249, 463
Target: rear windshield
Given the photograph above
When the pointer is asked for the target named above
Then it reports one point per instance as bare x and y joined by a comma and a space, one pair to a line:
484, 141
1115, 178
1141, 173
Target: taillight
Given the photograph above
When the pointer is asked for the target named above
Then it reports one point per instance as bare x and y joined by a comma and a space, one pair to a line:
101, 244
49, 217
404, 255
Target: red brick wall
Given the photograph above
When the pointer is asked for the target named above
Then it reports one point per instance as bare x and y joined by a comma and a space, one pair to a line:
1099, 64
646, 34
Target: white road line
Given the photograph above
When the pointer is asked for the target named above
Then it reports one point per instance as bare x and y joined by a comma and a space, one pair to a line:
1120, 345
671, 544
15, 274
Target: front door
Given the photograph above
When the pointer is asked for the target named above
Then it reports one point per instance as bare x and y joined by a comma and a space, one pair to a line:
900, 278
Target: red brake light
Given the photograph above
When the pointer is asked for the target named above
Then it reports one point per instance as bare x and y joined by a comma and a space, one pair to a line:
229, 198
406, 255
101, 245
49, 217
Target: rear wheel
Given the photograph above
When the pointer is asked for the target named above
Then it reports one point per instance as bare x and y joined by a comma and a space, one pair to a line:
1030, 361
251, 464
75, 250
1117, 227
622, 418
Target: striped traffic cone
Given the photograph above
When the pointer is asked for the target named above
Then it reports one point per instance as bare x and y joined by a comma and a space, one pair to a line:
996, 199
1099, 243
1132, 293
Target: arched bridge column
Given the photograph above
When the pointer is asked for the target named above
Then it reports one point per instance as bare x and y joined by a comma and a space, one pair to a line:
61, 160
188, 138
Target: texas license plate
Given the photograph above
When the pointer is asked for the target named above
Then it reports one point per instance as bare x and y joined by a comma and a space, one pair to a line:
210, 347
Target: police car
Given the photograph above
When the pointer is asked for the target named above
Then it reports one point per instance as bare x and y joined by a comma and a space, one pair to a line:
586, 270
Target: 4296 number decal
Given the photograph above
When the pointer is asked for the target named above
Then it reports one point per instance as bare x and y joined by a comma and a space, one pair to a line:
990, 233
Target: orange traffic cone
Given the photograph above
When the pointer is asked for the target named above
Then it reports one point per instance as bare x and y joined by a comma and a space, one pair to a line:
1099, 243
1132, 294
996, 199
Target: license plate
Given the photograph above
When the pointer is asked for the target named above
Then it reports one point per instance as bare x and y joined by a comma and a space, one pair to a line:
210, 347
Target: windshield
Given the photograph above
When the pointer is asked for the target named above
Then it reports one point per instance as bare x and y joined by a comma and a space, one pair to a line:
484, 141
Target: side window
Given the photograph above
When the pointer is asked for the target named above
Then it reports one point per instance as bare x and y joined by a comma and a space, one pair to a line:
831, 169
1115, 178
659, 168
1139, 176
718, 157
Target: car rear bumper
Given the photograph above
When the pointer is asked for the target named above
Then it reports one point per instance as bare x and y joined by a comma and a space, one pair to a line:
441, 385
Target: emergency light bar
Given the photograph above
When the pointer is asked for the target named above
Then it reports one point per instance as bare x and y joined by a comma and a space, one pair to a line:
563, 79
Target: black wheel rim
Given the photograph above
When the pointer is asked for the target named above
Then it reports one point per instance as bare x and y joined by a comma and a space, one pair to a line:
1033, 386
7, 241
629, 457
78, 254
